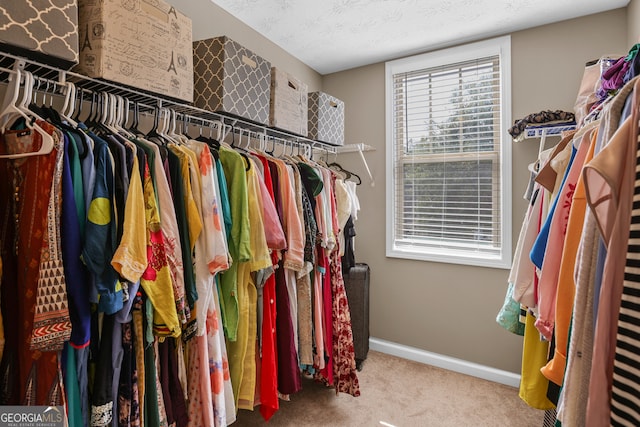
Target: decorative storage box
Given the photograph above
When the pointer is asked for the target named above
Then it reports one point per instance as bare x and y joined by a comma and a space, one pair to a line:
50, 37
326, 118
145, 44
289, 107
232, 79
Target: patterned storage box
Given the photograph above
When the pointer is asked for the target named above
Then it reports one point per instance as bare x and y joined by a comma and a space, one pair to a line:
145, 44
326, 118
43, 30
289, 107
230, 78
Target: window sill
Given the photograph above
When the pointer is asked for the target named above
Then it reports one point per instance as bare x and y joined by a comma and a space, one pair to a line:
451, 257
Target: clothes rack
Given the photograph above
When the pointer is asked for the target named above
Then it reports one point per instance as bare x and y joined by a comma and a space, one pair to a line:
208, 223
543, 132
147, 102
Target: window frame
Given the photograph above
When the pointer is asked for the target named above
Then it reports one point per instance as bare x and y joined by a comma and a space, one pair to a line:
500, 46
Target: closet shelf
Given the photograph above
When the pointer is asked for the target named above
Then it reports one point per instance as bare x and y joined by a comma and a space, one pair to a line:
353, 148
54, 75
541, 131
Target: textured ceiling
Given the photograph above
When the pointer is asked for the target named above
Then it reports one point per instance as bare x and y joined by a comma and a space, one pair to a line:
334, 35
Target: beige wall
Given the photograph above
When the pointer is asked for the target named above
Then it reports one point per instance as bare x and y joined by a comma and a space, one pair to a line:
210, 20
451, 309
441, 308
633, 22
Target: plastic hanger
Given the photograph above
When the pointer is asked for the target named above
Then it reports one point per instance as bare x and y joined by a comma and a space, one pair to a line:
339, 168
153, 133
50, 112
240, 150
121, 116
102, 106
185, 125
93, 106
27, 95
135, 117
125, 112
214, 144
66, 113
69, 99
161, 124
110, 113
9, 108
233, 136
171, 132
238, 145
286, 155
79, 102
273, 147
26, 102
33, 107
166, 127
69, 104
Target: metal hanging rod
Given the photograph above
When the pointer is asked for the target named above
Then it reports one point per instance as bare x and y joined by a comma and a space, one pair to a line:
45, 72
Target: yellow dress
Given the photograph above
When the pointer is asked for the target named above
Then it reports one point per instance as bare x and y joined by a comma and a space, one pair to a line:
533, 385
156, 280
130, 259
242, 352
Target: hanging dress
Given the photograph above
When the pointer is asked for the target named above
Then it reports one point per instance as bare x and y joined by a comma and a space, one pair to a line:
30, 377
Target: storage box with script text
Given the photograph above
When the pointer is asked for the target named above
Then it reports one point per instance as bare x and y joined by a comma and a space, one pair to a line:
145, 44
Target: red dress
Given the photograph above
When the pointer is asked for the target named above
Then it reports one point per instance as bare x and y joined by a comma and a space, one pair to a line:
30, 376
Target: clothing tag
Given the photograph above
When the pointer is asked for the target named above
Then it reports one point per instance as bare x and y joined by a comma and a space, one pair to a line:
23, 133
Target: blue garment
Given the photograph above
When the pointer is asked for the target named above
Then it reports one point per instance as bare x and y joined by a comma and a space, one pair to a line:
121, 179
82, 368
117, 352
75, 272
124, 315
88, 169
88, 183
100, 241
76, 179
540, 245
597, 283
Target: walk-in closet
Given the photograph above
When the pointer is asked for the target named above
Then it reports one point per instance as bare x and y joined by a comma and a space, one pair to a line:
340, 213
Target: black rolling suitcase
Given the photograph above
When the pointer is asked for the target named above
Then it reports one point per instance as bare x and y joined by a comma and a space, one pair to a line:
356, 282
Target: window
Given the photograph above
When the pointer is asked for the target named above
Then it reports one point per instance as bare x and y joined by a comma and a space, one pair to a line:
448, 155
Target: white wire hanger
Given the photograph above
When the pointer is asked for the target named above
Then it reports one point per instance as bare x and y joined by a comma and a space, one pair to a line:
10, 111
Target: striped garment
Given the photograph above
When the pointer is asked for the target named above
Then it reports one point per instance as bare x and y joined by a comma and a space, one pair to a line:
625, 393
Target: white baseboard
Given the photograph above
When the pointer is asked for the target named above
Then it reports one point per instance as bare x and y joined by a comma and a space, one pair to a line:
445, 362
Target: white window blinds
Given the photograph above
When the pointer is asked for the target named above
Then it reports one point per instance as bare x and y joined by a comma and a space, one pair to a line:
447, 188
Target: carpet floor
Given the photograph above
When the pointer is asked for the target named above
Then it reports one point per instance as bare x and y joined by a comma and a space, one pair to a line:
401, 393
